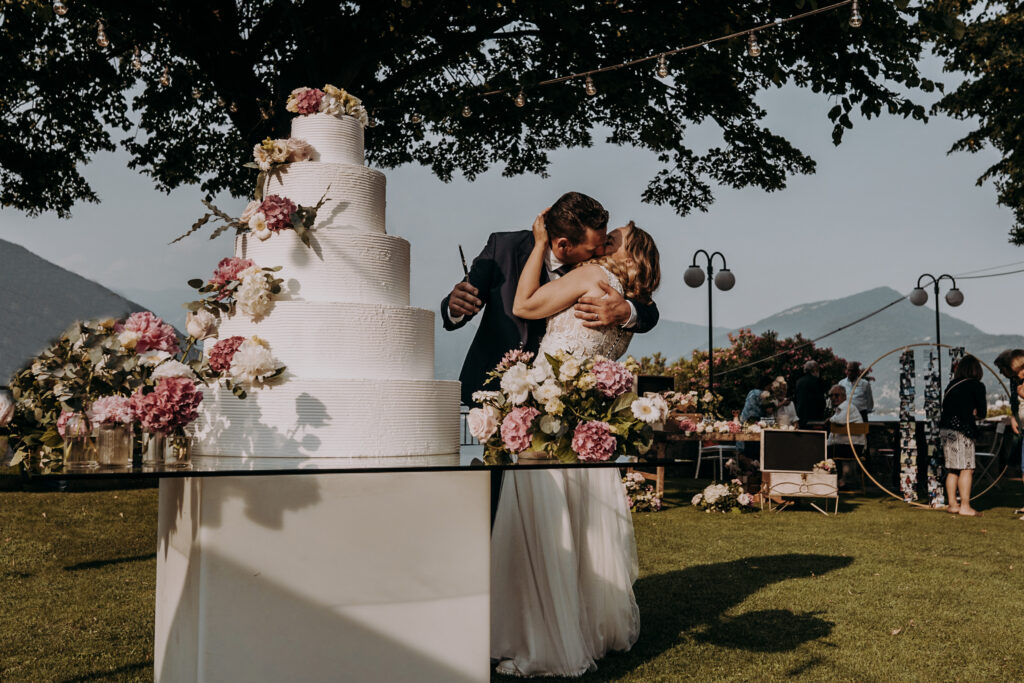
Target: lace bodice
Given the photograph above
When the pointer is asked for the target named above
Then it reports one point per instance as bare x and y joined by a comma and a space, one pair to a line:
565, 332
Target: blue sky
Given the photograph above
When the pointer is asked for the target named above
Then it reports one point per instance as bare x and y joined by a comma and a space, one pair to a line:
884, 207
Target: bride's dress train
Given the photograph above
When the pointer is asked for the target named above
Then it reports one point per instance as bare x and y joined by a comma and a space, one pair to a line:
563, 553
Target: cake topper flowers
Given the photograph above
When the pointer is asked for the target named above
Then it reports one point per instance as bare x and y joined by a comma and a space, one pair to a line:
327, 100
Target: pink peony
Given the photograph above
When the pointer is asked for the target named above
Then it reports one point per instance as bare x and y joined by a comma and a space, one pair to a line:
79, 427
154, 333
515, 429
278, 211
110, 410
228, 270
612, 378
593, 441
307, 100
223, 352
169, 407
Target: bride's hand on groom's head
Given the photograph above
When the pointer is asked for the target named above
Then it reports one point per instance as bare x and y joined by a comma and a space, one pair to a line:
596, 312
540, 232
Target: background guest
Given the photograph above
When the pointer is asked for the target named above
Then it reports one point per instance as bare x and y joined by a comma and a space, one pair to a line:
862, 399
785, 411
963, 403
754, 407
1011, 366
839, 444
809, 395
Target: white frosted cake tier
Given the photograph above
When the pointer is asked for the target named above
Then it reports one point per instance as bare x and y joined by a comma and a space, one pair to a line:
340, 266
334, 140
344, 340
309, 418
355, 194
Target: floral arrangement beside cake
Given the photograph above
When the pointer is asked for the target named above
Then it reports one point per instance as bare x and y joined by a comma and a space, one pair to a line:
565, 407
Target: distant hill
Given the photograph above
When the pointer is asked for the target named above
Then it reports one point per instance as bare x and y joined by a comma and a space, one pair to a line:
40, 300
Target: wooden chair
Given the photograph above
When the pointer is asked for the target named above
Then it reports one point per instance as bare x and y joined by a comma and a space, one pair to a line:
856, 429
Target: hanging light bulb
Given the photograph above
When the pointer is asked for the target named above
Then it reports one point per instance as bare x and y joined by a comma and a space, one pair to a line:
233, 108
371, 122
588, 86
59, 8
520, 100
136, 60
466, 112
101, 35
165, 77
416, 118
662, 67
196, 94
221, 102
753, 49
855, 18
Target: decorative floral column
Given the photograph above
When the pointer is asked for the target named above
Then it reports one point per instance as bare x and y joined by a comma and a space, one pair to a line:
933, 411
908, 440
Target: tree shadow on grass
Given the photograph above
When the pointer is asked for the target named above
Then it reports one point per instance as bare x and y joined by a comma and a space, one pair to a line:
96, 564
137, 667
692, 604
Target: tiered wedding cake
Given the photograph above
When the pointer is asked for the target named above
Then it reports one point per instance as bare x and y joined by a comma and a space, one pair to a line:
360, 360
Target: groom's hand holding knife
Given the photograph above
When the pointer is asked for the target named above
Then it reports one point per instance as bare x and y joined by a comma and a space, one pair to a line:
463, 300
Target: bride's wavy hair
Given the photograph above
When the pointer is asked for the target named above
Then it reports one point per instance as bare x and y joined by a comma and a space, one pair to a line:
640, 274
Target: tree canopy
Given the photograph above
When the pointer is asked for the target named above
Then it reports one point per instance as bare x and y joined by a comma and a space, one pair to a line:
186, 87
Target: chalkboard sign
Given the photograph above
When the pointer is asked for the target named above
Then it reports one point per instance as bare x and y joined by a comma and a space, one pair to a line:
655, 383
791, 451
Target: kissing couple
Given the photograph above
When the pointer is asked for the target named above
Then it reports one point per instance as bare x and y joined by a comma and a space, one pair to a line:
563, 553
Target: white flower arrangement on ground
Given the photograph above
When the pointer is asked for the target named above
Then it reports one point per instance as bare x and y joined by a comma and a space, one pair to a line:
639, 494
728, 497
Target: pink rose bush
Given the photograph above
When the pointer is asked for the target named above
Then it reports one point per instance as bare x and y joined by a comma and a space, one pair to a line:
570, 407
110, 410
150, 333
169, 408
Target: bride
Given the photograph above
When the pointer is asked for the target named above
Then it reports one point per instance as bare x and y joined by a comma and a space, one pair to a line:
563, 554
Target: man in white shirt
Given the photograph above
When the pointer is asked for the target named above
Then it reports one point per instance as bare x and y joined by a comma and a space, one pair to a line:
839, 444
863, 400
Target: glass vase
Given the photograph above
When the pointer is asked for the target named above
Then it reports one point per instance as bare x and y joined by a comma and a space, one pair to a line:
114, 446
80, 454
152, 449
177, 450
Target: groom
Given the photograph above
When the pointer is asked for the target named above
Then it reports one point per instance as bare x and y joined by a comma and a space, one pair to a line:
577, 227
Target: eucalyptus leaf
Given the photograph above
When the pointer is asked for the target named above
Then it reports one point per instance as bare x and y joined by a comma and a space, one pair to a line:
196, 283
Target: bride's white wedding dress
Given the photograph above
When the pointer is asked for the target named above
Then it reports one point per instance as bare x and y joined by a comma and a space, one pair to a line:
563, 554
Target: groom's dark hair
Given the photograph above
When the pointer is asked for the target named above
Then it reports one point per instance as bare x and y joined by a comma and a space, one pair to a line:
572, 214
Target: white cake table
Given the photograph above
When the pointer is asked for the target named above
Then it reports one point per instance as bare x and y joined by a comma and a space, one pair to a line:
376, 576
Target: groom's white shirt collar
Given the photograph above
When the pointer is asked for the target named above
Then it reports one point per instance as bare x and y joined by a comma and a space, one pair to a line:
551, 262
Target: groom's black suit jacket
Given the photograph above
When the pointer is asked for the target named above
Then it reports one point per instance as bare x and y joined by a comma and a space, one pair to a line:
495, 274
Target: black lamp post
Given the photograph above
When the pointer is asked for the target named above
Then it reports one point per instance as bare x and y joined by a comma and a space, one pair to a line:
694, 277
954, 297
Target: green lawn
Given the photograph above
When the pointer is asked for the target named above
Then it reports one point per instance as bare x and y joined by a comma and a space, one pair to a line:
881, 591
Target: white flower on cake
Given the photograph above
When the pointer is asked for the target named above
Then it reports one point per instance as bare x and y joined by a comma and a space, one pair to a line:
201, 324
517, 383
129, 338
172, 368
258, 224
482, 422
547, 391
261, 156
253, 362
250, 210
253, 296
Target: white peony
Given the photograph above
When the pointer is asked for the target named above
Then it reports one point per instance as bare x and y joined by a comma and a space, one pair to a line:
569, 370
547, 391
517, 384
6, 409
645, 410
253, 362
201, 324
482, 422
253, 295
549, 424
128, 338
258, 224
153, 358
173, 368
542, 372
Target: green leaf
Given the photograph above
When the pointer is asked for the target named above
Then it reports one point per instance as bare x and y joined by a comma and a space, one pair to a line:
623, 402
195, 226
196, 283
564, 451
193, 305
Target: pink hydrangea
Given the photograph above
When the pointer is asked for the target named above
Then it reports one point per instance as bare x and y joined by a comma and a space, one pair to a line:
307, 100
110, 410
278, 211
735, 427
223, 352
154, 333
515, 428
81, 427
612, 378
228, 270
169, 407
593, 441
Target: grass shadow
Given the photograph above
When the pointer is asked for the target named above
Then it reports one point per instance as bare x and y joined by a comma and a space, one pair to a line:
137, 667
96, 564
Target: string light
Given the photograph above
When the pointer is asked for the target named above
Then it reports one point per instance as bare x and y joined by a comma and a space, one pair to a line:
136, 60
520, 100
588, 86
466, 112
59, 8
856, 20
662, 67
753, 49
101, 35
165, 78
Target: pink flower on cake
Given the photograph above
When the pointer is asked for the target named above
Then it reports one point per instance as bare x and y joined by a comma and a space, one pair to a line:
593, 441
223, 352
515, 429
110, 410
612, 378
278, 212
299, 149
154, 333
304, 100
169, 407
228, 270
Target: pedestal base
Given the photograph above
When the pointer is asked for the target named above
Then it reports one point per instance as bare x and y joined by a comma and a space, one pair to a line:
361, 577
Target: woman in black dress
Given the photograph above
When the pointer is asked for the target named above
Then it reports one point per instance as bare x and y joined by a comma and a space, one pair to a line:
962, 405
